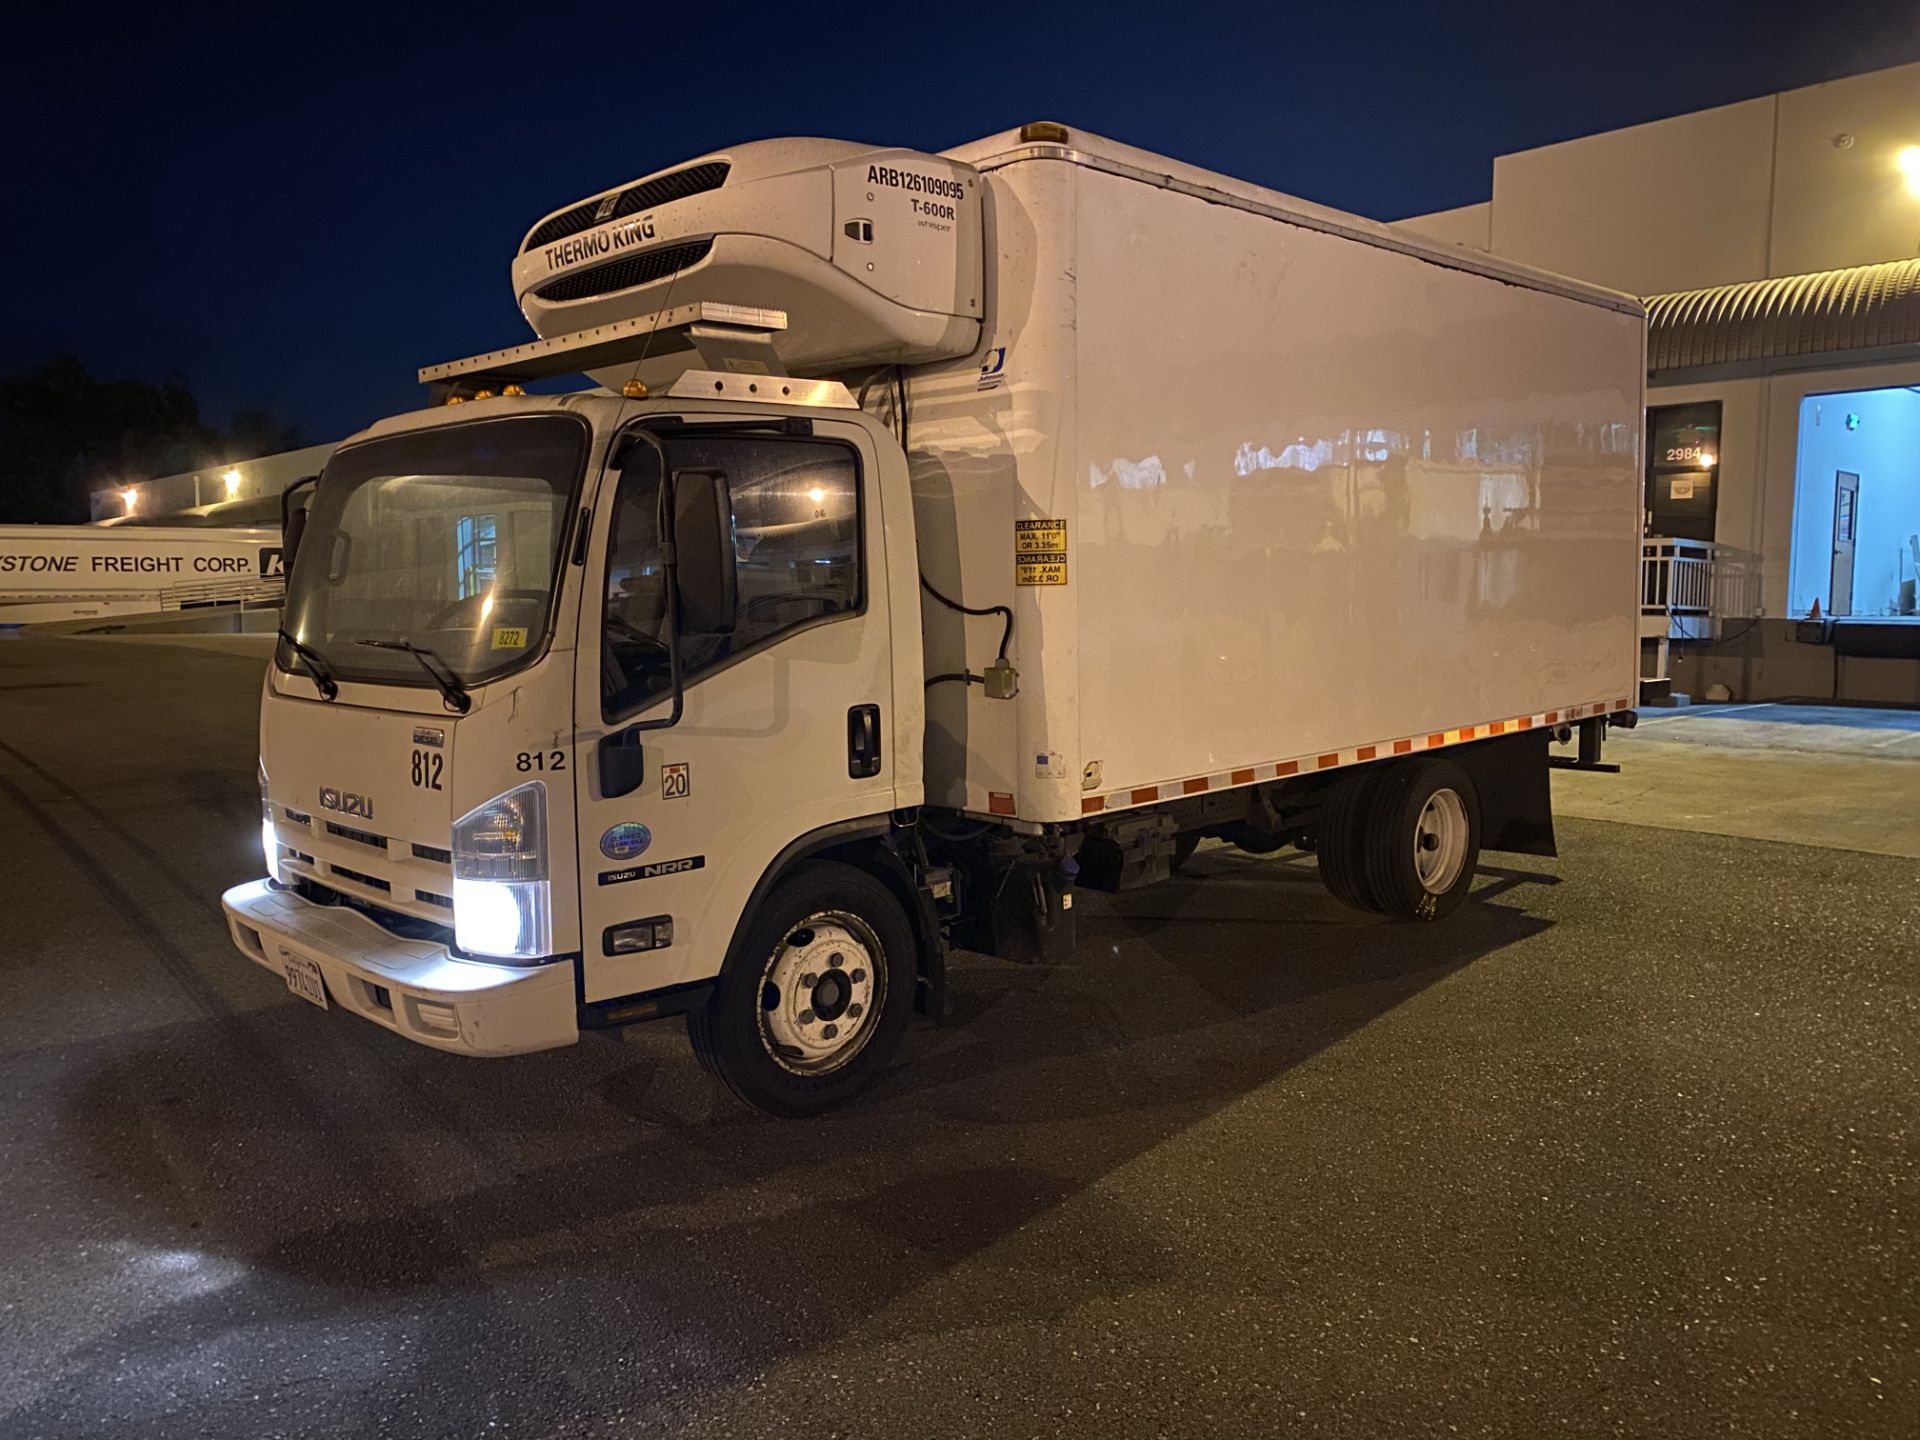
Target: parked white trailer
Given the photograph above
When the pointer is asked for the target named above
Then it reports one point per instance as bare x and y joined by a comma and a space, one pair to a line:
955, 530
76, 572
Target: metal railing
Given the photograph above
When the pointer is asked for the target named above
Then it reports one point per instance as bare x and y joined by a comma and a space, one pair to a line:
240, 590
1687, 588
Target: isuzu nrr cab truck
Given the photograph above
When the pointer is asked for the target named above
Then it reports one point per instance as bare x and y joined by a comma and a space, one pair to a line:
950, 535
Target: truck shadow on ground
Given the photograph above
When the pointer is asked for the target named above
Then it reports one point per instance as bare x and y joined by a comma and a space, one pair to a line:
339, 1191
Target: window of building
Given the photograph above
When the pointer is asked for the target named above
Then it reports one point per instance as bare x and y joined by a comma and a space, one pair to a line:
1856, 505
793, 514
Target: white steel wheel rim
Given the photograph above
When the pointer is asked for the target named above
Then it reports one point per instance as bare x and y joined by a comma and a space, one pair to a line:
1440, 842
821, 993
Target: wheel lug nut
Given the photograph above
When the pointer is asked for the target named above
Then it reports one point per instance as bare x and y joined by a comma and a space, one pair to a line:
859, 977
836, 960
830, 1032
805, 1017
809, 980
853, 1011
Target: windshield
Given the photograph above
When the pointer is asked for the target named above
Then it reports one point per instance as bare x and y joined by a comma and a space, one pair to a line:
447, 539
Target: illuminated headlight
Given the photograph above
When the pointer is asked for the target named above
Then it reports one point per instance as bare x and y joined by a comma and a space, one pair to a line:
502, 899
269, 842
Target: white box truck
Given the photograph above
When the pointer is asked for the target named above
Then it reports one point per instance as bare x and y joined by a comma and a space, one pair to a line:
952, 531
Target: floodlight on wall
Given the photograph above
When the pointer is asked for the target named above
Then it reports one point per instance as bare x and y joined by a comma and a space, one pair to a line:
232, 477
131, 498
1908, 161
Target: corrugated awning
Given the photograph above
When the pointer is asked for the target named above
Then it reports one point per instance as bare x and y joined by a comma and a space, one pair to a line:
1792, 322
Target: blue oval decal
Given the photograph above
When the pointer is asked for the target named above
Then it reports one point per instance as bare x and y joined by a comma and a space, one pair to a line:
626, 840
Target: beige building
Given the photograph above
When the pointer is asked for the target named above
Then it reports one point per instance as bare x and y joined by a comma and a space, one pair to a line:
1777, 241
245, 492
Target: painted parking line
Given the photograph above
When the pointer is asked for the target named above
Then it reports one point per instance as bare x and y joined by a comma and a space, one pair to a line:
1899, 737
1693, 713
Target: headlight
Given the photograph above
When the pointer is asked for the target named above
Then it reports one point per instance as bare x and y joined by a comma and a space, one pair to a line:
269, 842
502, 899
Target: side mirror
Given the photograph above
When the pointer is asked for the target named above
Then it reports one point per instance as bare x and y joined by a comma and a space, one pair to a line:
622, 763
703, 549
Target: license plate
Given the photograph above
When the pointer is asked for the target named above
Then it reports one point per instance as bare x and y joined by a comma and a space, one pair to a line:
303, 978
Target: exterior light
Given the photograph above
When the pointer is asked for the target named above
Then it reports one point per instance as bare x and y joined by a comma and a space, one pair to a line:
1706, 459
232, 477
269, 842
1908, 160
130, 497
502, 898
817, 495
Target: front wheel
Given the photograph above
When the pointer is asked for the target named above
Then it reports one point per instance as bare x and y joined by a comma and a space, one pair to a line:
815, 996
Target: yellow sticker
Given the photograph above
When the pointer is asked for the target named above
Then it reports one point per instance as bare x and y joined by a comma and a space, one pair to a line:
509, 637
1040, 552
1032, 537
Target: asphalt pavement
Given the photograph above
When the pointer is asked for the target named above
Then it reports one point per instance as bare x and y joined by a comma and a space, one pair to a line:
1625, 1147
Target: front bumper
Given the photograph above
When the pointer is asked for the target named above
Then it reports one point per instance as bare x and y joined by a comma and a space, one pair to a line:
413, 987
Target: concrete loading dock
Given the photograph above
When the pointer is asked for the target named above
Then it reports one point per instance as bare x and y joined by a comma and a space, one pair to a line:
1619, 1149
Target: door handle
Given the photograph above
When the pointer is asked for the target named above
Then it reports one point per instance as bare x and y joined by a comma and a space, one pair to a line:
863, 741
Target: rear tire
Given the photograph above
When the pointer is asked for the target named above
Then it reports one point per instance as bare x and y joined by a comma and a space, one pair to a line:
815, 994
1422, 839
1341, 844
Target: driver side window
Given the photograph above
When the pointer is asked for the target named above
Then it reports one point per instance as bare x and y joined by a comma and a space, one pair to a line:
794, 538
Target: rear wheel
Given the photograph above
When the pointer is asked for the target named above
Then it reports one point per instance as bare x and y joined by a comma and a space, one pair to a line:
1422, 841
1341, 843
815, 996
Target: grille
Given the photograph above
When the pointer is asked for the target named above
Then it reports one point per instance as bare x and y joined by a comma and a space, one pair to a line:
428, 852
364, 837
298, 817
695, 180
443, 901
372, 882
625, 273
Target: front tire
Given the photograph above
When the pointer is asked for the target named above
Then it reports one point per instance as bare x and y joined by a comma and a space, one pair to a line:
815, 994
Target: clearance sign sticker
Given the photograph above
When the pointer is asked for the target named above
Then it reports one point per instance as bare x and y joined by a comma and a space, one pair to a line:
1040, 552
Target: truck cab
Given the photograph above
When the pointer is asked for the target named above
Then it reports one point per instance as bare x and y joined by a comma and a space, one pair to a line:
564, 681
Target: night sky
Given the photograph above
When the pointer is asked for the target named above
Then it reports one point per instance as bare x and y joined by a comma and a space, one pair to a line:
294, 207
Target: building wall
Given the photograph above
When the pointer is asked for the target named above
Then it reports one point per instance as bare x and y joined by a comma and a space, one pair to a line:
1837, 206
1782, 185
1470, 225
1673, 205
175, 494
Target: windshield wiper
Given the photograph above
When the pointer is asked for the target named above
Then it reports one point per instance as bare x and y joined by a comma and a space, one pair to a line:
318, 666
442, 673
